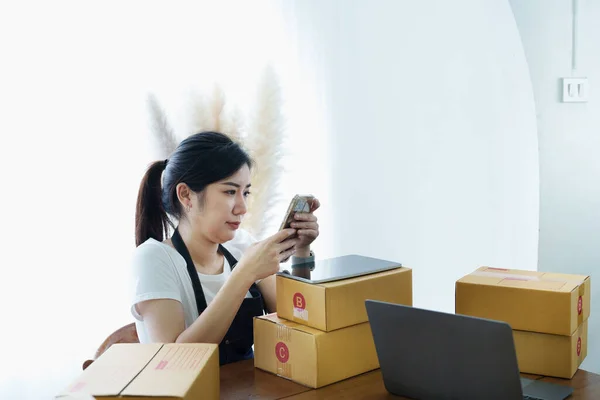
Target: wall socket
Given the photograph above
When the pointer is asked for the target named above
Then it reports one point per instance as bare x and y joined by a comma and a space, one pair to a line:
575, 90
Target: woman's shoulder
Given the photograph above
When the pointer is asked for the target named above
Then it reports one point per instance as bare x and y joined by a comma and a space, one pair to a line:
155, 253
151, 247
156, 272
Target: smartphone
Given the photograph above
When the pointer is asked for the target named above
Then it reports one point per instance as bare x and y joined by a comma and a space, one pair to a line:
300, 203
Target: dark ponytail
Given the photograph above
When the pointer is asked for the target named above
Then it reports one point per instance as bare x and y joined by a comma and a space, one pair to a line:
151, 220
198, 161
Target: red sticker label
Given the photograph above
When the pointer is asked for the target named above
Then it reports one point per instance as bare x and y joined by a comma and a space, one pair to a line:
282, 352
299, 301
579, 305
162, 364
578, 347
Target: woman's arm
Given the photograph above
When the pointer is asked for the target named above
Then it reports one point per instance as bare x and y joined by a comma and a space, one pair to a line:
165, 320
268, 290
268, 286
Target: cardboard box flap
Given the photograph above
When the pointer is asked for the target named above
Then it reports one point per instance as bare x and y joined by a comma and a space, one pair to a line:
291, 325
172, 371
525, 279
120, 365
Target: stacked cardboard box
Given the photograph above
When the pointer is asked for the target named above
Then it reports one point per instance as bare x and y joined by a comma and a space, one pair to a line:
321, 332
150, 371
548, 313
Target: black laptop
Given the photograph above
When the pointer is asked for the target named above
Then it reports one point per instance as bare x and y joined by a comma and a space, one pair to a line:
433, 355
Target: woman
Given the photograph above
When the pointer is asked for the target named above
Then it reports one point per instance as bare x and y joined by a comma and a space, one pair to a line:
208, 282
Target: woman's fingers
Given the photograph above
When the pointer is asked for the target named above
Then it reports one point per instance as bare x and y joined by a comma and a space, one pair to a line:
281, 235
315, 204
305, 225
311, 233
287, 244
283, 256
305, 217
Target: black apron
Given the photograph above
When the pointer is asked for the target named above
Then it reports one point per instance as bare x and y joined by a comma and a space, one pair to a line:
238, 341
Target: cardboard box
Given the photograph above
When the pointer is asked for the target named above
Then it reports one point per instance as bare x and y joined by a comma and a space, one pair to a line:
309, 356
335, 305
551, 355
150, 372
527, 300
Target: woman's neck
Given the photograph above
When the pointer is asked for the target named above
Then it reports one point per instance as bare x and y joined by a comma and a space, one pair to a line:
203, 251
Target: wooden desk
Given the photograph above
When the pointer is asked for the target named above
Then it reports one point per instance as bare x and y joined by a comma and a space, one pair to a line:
586, 385
242, 381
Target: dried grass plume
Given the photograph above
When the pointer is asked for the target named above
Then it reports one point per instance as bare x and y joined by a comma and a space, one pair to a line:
262, 137
265, 143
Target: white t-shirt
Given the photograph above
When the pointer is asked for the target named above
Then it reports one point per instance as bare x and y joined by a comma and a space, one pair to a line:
160, 272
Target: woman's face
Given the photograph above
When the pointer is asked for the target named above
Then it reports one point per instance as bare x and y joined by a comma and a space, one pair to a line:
219, 210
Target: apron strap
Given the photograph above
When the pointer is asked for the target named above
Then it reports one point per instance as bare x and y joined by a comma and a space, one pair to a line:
198, 292
230, 258
254, 291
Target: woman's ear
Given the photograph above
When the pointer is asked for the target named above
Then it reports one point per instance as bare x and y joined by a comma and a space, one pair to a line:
184, 195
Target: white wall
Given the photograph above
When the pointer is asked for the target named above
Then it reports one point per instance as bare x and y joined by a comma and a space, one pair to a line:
424, 110
569, 139
433, 136
74, 146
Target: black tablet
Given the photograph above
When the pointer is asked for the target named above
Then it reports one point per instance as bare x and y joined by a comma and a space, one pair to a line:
338, 268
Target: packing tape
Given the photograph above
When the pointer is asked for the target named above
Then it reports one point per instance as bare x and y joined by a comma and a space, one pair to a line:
505, 275
499, 273
282, 351
284, 333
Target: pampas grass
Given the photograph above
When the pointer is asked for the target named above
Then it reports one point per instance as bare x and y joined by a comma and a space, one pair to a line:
232, 124
262, 137
265, 141
212, 112
161, 130
199, 113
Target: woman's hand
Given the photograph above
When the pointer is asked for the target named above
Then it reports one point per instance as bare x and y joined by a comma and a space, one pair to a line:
307, 228
262, 259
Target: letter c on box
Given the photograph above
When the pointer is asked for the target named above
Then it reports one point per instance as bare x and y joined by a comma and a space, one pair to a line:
282, 352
